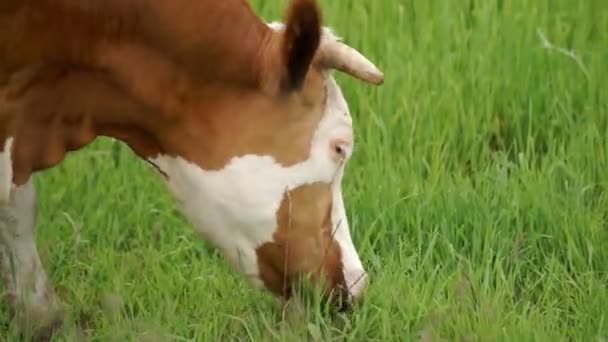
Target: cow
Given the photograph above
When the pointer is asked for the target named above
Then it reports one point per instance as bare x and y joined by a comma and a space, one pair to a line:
242, 119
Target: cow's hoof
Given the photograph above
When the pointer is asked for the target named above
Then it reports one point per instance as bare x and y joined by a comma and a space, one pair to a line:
45, 333
40, 323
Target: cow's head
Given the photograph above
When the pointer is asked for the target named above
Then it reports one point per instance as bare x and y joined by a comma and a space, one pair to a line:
261, 174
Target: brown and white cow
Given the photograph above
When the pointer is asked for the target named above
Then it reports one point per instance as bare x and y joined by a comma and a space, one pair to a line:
241, 118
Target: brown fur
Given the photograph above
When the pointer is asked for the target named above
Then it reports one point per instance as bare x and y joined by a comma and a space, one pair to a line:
300, 42
303, 242
205, 80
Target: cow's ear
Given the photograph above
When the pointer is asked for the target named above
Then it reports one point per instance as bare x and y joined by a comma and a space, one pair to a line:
300, 41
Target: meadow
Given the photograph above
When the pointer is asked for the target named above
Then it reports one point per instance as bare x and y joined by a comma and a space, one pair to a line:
477, 194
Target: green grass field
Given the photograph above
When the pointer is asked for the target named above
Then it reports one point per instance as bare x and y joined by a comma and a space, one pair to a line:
477, 194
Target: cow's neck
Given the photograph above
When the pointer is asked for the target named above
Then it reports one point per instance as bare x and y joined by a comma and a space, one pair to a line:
64, 111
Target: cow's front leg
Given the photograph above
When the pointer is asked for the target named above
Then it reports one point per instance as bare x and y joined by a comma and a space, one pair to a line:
28, 292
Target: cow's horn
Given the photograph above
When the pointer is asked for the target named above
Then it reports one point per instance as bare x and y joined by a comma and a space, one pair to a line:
337, 55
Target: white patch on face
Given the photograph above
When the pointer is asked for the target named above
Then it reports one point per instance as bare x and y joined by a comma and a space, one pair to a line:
6, 171
354, 273
235, 208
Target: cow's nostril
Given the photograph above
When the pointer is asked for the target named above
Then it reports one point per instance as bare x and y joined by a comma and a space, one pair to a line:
346, 308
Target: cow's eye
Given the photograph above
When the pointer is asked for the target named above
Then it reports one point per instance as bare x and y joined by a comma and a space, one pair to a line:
339, 150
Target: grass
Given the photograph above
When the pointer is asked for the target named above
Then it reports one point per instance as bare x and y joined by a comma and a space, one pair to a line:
477, 193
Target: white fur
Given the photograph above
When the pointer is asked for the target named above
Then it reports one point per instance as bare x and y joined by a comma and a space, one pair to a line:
235, 207
354, 273
22, 271
6, 171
